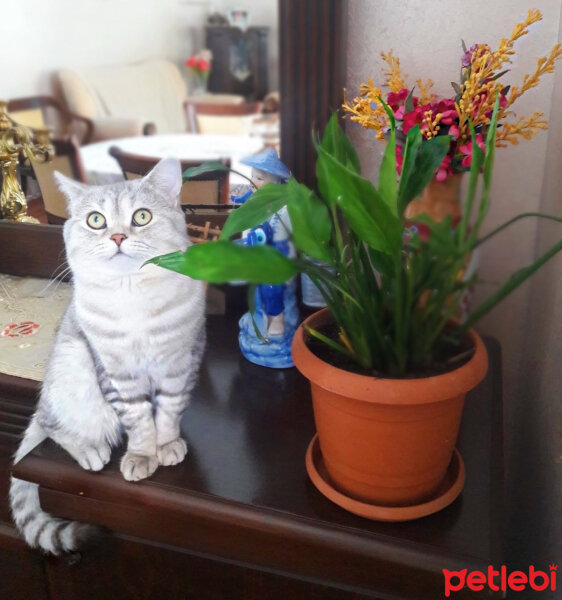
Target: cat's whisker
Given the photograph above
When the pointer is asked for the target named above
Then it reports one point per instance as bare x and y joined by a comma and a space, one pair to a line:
56, 279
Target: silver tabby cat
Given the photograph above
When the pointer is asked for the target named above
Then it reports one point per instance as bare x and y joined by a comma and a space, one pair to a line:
128, 348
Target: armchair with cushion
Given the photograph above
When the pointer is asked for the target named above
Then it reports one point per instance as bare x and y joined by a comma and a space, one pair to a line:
127, 100
46, 111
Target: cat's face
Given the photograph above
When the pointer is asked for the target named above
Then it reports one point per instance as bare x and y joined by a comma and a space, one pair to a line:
113, 229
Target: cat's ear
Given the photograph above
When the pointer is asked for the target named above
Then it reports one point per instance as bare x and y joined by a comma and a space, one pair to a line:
166, 176
73, 190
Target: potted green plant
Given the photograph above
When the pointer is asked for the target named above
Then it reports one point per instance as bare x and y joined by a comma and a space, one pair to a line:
388, 363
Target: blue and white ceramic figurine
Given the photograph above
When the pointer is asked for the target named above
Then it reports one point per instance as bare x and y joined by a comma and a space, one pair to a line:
276, 315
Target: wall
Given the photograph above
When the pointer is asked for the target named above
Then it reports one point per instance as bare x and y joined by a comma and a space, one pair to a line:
536, 423
426, 37
41, 36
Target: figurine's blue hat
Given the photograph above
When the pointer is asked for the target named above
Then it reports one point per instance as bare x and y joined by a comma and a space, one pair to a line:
269, 162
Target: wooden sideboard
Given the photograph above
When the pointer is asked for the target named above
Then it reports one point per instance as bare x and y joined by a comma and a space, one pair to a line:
240, 518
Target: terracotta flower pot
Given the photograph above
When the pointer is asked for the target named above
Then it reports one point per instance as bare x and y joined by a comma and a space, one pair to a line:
386, 441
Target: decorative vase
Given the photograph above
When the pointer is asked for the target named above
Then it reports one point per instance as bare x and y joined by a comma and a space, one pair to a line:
439, 200
386, 442
199, 84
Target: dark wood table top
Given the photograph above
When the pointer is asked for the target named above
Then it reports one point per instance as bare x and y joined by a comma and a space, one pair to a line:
243, 494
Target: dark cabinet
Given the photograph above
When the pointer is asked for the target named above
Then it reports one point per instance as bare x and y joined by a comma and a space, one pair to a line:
239, 61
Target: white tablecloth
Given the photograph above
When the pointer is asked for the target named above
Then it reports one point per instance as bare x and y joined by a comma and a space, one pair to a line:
102, 168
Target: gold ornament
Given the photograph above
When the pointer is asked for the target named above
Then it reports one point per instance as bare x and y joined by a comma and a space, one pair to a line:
17, 141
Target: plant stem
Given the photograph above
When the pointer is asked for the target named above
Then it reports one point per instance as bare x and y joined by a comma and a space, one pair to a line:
515, 281
508, 223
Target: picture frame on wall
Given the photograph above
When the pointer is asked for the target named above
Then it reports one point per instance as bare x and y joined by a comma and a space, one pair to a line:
238, 17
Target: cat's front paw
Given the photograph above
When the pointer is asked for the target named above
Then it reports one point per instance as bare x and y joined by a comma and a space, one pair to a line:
138, 466
172, 453
91, 458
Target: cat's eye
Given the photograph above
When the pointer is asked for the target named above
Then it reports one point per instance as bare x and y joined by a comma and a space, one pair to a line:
141, 217
96, 220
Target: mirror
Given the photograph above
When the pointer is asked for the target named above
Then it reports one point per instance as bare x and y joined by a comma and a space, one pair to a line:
194, 79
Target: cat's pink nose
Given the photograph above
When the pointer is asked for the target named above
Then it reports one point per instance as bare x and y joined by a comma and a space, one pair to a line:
118, 238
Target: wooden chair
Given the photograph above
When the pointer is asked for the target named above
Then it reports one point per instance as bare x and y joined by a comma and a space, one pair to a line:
46, 111
222, 118
67, 161
201, 197
206, 190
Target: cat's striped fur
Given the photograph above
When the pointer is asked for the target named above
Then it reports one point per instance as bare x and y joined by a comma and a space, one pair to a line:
128, 349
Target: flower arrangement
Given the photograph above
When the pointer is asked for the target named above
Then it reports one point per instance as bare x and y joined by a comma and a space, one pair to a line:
482, 73
199, 66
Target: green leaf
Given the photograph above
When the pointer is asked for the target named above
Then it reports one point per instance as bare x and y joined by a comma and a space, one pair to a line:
223, 261
362, 206
498, 75
441, 239
252, 309
409, 102
457, 88
475, 168
210, 167
206, 167
514, 220
491, 146
310, 220
421, 160
388, 183
328, 341
260, 207
488, 168
413, 142
513, 282
383, 263
336, 143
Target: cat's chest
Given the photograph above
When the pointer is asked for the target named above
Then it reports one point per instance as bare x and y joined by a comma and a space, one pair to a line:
135, 319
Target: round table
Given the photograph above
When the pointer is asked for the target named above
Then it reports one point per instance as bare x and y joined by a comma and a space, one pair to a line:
102, 168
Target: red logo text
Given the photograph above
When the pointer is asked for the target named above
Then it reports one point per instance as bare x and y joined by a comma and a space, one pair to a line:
500, 580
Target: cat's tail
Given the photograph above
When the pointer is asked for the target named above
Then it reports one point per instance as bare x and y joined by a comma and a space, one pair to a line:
40, 529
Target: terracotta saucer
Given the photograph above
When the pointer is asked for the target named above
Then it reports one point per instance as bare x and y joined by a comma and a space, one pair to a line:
448, 491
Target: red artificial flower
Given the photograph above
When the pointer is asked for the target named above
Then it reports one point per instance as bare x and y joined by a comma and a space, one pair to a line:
444, 169
454, 131
395, 99
466, 149
444, 105
399, 159
203, 65
413, 118
192, 62
449, 117
399, 113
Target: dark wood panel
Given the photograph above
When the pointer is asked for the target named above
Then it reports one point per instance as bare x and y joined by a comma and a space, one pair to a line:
312, 74
141, 571
31, 250
21, 569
